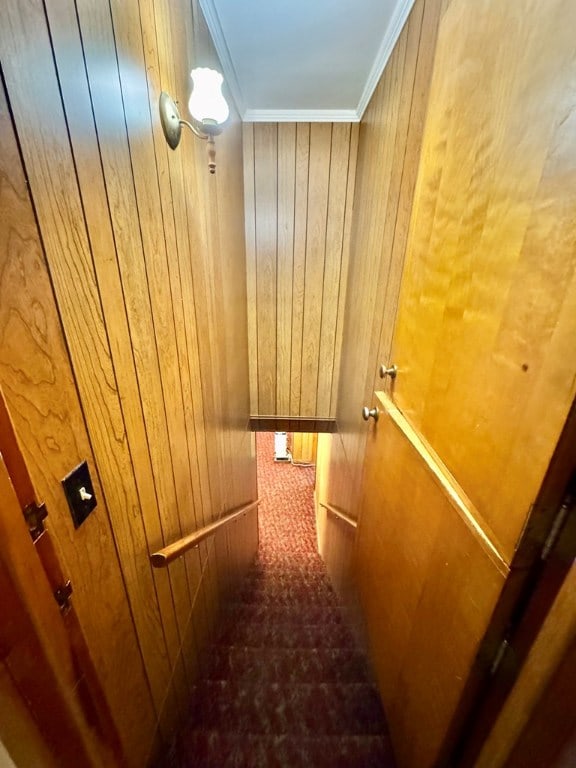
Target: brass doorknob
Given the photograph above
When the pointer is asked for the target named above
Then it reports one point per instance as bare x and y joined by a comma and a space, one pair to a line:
368, 413
391, 370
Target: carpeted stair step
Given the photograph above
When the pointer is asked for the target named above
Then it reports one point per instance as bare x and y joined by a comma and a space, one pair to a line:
286, 665
283, 614
305, 709
217, 749
259, 634
287, 578
284, 685
287, 594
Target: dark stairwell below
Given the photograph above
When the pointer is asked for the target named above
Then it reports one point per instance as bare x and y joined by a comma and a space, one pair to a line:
284, 684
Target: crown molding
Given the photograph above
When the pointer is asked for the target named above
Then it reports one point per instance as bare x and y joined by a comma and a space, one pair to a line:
300, 116
386, 47
305, 115
230, 76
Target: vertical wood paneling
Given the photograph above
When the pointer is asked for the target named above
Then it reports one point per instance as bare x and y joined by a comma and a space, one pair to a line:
38, 384
317, 219
335, 271
389, 143
298, 190
266, 205
146, 255
303, 447
250, 233
490, 286
299, 266
286, 209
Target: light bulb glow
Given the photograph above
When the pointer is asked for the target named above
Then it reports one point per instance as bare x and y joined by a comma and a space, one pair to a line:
206, 100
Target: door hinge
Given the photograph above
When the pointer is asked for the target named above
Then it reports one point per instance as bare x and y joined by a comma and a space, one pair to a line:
63, 595
563, 512
499, 658
35, 514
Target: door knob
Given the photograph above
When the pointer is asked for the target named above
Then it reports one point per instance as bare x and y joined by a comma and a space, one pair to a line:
370, 413
391, 370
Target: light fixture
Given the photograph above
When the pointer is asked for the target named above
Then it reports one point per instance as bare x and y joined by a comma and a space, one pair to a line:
207, 107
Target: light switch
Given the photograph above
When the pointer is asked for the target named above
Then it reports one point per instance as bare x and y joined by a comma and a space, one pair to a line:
79, 493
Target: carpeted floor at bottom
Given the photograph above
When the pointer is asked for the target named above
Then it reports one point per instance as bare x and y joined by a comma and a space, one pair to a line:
286, 685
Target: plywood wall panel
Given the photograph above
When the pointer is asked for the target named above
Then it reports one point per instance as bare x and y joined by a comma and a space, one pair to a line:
490, 286
265, 185
319, 178
286, 227
146, 255
389, 143
298, 185
342, 150
297, 287
48, 417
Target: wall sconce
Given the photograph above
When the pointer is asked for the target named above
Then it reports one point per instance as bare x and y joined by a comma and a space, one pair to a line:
207, 106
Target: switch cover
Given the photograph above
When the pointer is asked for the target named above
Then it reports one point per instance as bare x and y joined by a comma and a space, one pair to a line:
79, 493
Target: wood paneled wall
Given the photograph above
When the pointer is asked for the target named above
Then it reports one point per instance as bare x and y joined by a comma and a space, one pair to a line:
388, 156
299, 186
475, 180
486, 329
145, 254
37, 380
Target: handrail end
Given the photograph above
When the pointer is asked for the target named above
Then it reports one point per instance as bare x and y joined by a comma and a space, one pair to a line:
159, 560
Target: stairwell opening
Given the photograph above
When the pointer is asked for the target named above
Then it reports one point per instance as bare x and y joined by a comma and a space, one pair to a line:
285, 684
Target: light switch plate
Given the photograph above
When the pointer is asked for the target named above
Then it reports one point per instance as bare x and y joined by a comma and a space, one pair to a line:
79, 493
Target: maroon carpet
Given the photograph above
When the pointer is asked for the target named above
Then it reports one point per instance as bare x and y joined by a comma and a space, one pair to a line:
285, 685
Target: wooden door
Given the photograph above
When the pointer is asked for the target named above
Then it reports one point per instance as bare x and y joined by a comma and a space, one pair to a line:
53, 705
484, 338
485, 356
428, 578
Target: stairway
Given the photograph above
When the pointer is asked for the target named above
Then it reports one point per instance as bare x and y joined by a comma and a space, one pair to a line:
285, 684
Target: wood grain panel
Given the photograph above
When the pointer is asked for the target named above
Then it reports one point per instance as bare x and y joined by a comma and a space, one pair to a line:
389, 142
428, 584
33, 628
299, 181
302, 162
251, 275
303, 447
285, 262
39, 387
319, 181
146, 255
266, 193
388, 157
490, 287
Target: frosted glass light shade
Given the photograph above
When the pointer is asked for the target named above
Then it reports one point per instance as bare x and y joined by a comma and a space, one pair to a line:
207, 104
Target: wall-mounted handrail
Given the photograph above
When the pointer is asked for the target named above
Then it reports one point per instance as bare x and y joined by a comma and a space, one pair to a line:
341, 515
165, 556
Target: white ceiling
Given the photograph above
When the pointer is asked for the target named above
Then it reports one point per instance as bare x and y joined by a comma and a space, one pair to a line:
290, 60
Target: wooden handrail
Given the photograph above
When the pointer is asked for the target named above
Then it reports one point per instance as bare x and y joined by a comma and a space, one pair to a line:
339, 514
165, 556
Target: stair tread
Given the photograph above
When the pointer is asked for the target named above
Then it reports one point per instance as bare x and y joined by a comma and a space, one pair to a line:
215, 749
306, 708
284, 684
288, 635
312, 614
244, 663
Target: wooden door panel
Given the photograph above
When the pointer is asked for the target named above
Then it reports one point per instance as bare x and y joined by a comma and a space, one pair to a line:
429, 579
485, 334
34, 644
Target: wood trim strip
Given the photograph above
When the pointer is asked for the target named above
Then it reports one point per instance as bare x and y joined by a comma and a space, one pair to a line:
339, 514
460, 500
168, 554
291, 424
